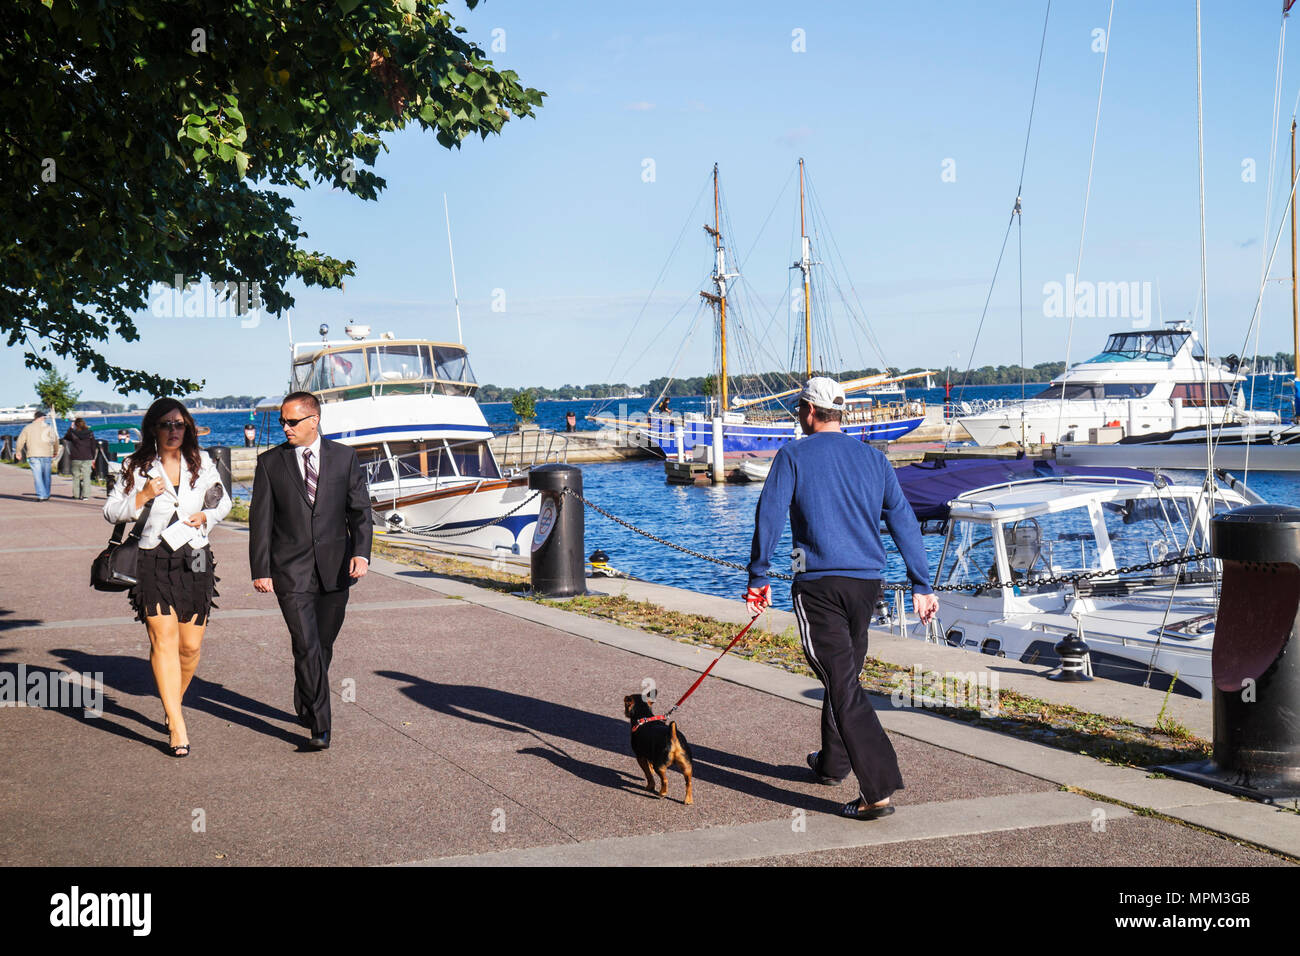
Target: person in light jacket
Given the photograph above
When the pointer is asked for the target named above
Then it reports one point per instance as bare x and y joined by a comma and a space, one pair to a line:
39, 443
175, 579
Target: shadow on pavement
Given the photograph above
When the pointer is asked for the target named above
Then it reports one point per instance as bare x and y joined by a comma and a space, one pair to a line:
133, 675
518, 713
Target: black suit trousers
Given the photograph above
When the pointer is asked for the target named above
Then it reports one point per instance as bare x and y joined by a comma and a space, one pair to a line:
834, 614
314, 619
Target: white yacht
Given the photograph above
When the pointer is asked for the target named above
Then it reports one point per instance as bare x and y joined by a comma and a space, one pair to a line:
1143, 382
17, 413
407, 406
1005, 543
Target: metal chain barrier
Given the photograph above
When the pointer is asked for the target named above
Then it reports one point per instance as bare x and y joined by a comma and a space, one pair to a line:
668, 544
988, 585
427, 532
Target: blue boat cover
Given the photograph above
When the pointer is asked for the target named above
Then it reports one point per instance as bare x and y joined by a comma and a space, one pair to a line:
929, 486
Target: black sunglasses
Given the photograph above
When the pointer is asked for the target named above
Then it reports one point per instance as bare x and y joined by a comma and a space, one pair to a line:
173, 425
293, 422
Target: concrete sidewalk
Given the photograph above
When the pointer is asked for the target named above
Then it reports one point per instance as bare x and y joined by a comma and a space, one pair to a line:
474, 727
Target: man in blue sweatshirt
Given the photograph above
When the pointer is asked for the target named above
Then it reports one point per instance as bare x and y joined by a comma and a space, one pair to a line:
836, 490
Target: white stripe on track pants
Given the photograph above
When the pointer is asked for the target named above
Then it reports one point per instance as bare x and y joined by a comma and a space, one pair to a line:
834, 614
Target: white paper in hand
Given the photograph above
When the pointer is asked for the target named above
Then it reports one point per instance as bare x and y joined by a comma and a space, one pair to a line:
179, 534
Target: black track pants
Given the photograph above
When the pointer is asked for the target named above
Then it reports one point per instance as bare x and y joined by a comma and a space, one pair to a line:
833, 615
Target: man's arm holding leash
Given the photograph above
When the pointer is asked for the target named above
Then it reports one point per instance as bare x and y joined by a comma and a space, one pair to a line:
769, 521
906, 532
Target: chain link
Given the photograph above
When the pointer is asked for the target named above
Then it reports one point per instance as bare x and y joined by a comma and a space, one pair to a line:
426, 531
990, 585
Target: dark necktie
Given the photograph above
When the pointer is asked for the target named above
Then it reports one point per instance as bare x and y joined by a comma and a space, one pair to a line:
310, 474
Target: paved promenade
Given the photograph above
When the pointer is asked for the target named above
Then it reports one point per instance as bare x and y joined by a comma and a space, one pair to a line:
475, 728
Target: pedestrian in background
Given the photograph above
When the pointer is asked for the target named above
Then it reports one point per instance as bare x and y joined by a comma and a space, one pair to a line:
81, 452
39, 443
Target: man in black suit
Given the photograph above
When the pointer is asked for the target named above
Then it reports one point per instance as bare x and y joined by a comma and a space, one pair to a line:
309, 540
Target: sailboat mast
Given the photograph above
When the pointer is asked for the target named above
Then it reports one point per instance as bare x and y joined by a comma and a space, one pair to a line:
455, 294
805, 266
720, 282
1295, 305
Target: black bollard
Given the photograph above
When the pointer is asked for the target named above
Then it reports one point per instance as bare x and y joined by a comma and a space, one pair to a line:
557, 557
221, 455
100, 468
1256, 661
65, 459
7, 447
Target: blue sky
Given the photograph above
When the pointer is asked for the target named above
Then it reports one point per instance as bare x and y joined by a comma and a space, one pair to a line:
556, 213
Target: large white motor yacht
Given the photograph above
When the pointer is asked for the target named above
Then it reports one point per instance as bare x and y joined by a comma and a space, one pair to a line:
1143, 382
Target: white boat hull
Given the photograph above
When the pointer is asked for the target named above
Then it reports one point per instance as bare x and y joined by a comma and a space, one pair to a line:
456, 514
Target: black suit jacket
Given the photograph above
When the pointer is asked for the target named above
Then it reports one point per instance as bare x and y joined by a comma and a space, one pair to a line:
288, 537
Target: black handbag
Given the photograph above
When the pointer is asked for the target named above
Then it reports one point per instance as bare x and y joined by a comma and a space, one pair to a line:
114, 568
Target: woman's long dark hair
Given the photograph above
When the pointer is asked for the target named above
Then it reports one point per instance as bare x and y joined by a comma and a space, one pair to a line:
143, 456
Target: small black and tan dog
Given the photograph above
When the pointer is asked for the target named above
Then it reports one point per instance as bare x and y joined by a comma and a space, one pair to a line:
657, 745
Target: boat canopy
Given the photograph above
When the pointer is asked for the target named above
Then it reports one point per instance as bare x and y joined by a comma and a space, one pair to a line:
1154, 346
338, 371
930, 486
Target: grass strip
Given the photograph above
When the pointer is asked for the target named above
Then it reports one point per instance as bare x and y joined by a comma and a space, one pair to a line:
1110, 739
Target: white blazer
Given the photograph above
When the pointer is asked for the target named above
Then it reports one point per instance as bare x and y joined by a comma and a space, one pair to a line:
184, 501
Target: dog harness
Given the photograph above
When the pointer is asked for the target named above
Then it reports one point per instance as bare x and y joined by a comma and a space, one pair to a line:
646, 720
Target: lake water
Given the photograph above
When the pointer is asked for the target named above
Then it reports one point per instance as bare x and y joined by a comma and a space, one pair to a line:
716, 520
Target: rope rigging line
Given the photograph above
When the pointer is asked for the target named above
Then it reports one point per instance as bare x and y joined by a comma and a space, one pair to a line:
1083, 227
1015, 215
658, 279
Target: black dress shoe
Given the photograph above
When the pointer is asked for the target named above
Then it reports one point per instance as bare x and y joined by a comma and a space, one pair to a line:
814, 763
319, 741
854, 810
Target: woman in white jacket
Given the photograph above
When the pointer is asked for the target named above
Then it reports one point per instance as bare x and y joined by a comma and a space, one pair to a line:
175, 579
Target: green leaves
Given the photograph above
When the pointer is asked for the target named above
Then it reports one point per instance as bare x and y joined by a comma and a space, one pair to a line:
168, 159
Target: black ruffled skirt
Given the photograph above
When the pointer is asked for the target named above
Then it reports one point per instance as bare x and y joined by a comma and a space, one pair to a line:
165, 582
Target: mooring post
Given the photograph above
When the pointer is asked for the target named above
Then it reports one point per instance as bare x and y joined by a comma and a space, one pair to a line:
558, 554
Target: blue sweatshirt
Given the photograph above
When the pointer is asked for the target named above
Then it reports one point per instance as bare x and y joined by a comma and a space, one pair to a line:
835, 489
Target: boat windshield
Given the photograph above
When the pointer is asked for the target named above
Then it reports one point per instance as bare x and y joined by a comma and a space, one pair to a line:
1095, 390
385, 368
1146, 347
1137, 531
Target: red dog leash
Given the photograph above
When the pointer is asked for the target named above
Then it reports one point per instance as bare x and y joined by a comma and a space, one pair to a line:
715, 661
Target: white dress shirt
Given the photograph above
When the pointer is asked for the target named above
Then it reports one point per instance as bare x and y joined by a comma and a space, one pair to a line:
182, 501
315, 463
315, 458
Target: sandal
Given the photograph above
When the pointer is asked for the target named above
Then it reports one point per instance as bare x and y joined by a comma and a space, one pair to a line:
180, 750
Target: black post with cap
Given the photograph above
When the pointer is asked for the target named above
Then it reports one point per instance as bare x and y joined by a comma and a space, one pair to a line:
557, 562
1255, 661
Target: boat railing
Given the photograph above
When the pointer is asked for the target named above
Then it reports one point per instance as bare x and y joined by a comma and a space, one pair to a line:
414, 467
885, 412
527, 448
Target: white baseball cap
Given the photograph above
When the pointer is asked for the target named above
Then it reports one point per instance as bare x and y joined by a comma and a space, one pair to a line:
822, 392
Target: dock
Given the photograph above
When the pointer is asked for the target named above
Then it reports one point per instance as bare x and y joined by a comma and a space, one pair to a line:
476, 728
